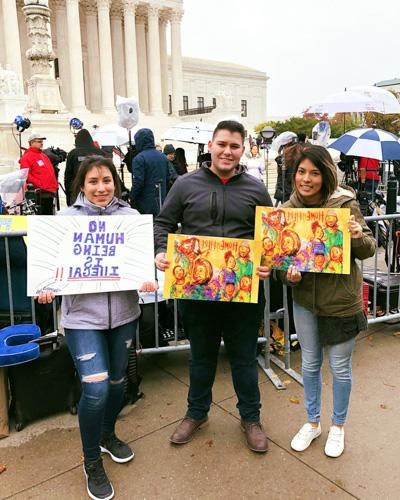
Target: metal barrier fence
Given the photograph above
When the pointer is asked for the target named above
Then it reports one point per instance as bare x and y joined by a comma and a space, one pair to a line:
383, 283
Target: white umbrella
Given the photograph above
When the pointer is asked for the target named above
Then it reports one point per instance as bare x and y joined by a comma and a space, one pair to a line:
347, 102
113, 135
192, 132
388, 100
283, 139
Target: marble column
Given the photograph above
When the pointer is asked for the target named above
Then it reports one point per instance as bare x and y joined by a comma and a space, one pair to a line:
43, 89
131, 62
142, 62
163, 21
2, 40
154, 67
176, 61
118, 57
93, 57
60, 12
106, 66
24, 43
12, 48
75, 56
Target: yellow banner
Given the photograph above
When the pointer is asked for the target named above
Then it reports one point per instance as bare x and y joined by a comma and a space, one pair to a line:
313, 239
215, 269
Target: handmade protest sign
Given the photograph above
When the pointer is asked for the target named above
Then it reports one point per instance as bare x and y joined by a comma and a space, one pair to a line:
84, 254
209, 268
313, 239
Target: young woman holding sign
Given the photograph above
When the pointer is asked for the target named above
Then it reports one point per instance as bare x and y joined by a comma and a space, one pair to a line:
328, 308
99, 329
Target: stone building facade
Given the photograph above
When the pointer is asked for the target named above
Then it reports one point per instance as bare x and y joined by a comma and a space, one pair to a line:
97, 49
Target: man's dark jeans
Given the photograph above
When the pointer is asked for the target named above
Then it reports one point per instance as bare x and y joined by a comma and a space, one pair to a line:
238, 324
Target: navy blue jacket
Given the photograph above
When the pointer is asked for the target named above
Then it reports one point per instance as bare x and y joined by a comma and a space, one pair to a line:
149, 170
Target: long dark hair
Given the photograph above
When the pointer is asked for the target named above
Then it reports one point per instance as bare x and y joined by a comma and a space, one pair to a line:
320, 157
86, 166
180, 160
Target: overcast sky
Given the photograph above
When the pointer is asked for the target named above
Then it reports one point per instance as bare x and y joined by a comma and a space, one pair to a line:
308, 48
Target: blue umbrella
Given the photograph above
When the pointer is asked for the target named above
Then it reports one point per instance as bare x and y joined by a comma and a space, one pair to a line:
369, 143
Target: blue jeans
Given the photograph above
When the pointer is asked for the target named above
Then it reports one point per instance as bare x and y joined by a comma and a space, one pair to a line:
101, 359
340, 356
205, 323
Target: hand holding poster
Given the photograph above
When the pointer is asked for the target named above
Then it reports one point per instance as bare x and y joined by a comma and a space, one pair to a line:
85, 254
209, 268
312, 239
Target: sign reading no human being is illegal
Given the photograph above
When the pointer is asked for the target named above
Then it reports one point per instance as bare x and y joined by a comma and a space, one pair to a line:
84, 254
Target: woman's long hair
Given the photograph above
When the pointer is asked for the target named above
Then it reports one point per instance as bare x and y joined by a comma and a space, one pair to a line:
86, 166
319, 157
180, 161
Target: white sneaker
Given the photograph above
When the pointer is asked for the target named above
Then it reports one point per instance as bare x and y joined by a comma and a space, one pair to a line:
305, 436
335, 443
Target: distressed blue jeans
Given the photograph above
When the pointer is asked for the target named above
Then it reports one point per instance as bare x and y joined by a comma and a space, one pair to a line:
340, 357
101, 359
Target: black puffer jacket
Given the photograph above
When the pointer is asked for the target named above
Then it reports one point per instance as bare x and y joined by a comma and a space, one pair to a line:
84, 147
207, 207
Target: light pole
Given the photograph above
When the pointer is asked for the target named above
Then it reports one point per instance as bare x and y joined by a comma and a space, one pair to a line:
267, 134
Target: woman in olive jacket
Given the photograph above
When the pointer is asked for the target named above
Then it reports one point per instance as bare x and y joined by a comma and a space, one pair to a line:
328, 308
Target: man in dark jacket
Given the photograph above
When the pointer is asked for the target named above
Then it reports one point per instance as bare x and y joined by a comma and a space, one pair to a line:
83, 147
150, 174
218, 200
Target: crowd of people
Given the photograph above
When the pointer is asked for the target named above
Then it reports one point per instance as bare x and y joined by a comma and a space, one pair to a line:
218, 199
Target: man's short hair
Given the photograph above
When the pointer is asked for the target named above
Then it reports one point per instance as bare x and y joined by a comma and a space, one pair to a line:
232, 126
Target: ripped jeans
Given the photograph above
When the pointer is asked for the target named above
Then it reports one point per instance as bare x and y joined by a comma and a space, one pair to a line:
101, 359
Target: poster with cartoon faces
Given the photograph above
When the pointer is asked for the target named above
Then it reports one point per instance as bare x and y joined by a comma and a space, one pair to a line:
314, 240
215, 269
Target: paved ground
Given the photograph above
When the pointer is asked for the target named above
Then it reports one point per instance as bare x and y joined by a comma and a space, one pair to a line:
44, 461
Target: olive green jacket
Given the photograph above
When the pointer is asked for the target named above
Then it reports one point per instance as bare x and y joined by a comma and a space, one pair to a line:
335, 294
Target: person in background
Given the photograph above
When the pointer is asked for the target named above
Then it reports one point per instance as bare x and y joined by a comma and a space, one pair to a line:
84, 146
287, 158
328, 308
255, 163
150, 175
99, 330
218, 200
180, 162
302, 138
40, 173
368, 174
169, 152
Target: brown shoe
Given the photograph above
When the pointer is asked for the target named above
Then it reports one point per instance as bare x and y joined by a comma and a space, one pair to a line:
256, 438
186, 429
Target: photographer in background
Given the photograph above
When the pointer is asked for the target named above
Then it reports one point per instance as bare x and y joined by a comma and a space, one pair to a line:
41, 173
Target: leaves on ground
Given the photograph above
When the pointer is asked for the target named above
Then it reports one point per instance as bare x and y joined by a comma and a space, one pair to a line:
287, 381
384, 407
3, 468
294, 400
210, 443
396, 334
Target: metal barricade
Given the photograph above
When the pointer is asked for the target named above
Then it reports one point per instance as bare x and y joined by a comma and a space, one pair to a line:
384, 282
264, 360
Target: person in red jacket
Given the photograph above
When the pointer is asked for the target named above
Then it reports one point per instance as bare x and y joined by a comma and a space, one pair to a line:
41, 173
368, 173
